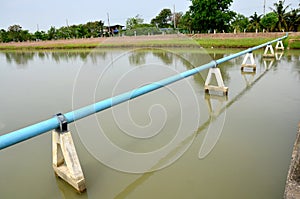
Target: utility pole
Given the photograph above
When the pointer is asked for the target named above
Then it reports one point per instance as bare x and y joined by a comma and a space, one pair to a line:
174, 16
264, 7
108, 24
68, 28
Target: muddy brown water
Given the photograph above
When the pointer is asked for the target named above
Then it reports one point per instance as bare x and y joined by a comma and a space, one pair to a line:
176, 142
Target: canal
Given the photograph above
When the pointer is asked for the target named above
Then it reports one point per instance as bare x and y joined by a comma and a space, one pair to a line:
176, 142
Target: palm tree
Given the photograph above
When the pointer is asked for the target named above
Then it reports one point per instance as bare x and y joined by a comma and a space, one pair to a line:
293, 20
280, 11
254, 22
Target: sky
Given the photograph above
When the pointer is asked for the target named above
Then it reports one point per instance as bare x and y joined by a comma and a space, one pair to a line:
39, 14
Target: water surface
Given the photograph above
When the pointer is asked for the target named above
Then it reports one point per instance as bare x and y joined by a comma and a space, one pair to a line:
192, 145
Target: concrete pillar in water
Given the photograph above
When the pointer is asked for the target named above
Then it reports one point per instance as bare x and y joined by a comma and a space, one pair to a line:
66, 164
279, 45
65, 161
220, 87
269, 48
248, 65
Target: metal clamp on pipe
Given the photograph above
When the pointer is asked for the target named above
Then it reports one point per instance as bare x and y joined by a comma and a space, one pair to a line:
63, 123
215, 63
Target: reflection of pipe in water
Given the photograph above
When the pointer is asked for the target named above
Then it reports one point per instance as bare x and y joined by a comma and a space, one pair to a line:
205, 125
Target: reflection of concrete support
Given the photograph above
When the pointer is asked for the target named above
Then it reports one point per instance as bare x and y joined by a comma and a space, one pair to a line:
220, 87
249, 65
65, 160
268, 63
215, 111
248, 77
269, 48
279, 45
278, 56
67, 191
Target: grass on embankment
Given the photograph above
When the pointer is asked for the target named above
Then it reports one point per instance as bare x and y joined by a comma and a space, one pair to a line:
291, 42
150, 43
49, 47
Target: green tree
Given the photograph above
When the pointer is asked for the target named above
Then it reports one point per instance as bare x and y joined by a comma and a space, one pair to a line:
269, 21
211, 15
280, 11
3, 36
163, 19
52, 33
40, 35
254, 23
94, 29
15, 28
185, 22
14, 32
293, 20
239, 22
134, 22
81, 31
63, 33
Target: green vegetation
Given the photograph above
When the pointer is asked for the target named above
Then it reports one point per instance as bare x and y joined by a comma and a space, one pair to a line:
88, 30
50, 46
231, 43
150, 43
269, 21
291, 42
163, 19
143, 31
218, 12
295, 44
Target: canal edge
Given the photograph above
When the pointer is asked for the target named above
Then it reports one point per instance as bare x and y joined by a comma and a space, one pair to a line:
292, 188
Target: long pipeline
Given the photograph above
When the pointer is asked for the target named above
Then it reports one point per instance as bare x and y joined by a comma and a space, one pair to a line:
31, 131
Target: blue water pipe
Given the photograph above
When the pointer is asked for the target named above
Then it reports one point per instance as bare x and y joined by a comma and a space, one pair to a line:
31, 131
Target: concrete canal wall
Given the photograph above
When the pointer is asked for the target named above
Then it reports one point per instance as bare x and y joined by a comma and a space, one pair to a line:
292, 189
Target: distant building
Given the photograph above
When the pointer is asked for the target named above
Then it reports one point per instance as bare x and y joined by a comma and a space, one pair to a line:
114, 29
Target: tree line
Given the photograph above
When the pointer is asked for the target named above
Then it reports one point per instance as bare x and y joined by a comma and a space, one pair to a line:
17, 34
203, 16
207, 16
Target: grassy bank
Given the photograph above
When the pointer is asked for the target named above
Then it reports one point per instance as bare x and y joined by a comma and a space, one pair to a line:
293, 42
48, 46
132, 44
290, 42
230, 43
